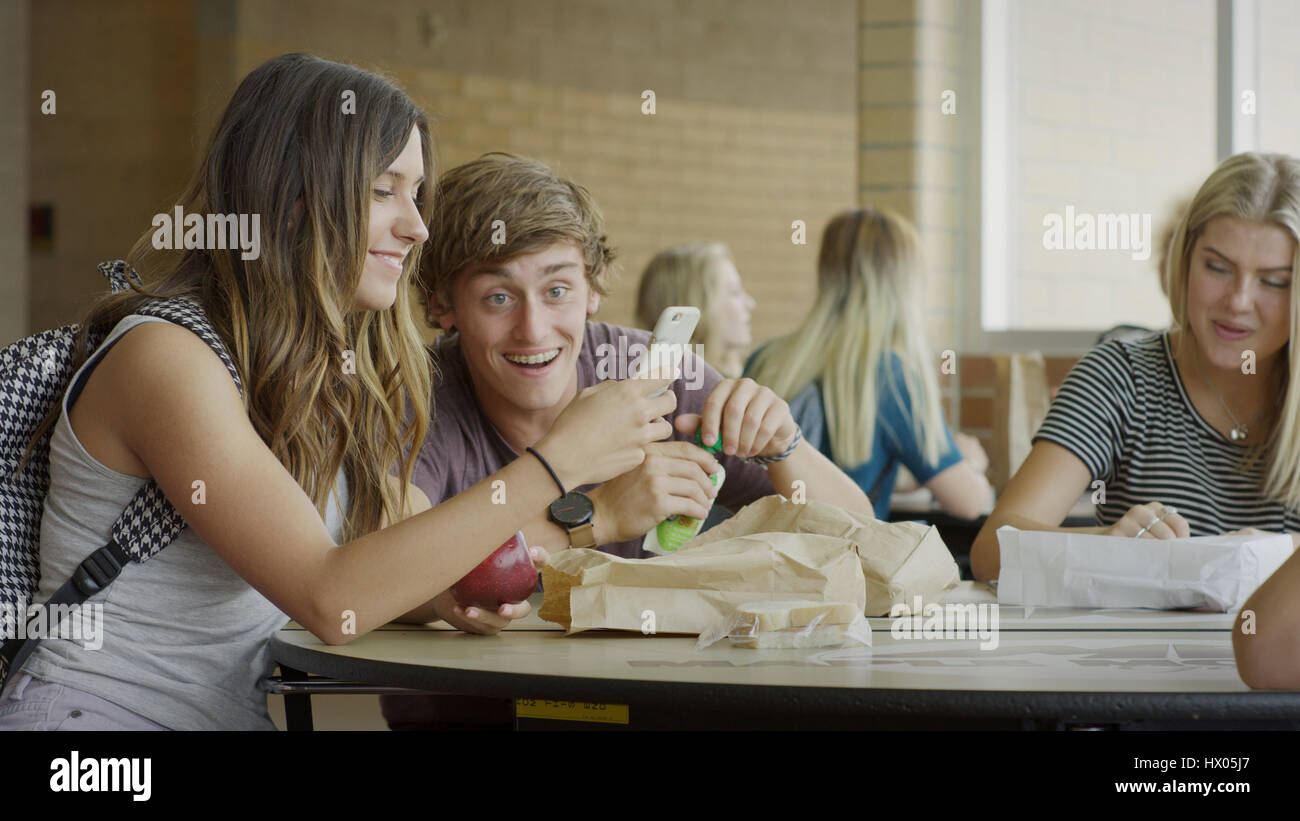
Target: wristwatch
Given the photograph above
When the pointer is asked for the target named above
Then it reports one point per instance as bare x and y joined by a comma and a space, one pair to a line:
573, 511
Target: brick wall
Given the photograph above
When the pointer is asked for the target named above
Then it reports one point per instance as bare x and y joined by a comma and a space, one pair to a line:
118, 148
912, 148
13, 170
754, 124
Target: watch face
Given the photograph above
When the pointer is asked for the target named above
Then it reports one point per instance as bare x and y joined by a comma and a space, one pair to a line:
571, 509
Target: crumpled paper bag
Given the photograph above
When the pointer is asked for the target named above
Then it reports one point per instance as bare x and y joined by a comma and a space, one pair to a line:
1049, 569
689, 591
900, 560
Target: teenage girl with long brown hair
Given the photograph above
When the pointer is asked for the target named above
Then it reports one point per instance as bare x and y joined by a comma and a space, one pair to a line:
296, 472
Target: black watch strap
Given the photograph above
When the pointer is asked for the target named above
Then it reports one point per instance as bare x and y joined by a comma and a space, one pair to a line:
546, 465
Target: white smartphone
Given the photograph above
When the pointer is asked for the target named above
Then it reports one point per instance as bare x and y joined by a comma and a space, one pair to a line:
668, 342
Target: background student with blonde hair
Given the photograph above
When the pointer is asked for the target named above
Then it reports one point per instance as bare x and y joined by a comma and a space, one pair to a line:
859, 374
703, 275
1187, 439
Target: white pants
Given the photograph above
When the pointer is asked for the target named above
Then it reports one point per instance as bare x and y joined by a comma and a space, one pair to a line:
33, 704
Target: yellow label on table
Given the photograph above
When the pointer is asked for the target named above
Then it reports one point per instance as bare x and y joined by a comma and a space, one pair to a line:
571, 710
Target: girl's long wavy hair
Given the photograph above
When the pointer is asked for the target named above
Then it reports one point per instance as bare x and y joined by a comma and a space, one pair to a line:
1258, 188
301, 144
868, 306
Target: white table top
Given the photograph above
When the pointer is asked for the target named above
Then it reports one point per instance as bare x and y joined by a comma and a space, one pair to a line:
1038, 651
1101, 662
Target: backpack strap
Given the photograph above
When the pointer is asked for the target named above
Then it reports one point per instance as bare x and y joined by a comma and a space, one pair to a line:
120, 276
149, 522
90, 577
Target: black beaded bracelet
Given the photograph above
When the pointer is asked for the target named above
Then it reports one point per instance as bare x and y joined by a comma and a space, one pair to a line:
785, 454
558, 483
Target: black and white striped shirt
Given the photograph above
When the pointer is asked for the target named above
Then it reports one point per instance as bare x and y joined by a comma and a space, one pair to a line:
1123, 411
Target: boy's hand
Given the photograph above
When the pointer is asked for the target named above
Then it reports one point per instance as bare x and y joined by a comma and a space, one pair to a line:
751, 419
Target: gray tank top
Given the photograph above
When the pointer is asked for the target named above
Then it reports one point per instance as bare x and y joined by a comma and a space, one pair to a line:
184, 637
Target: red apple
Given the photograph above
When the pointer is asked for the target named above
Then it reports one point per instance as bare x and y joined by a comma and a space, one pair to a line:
506, 577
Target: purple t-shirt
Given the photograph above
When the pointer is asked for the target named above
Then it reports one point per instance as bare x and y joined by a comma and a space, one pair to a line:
463, 447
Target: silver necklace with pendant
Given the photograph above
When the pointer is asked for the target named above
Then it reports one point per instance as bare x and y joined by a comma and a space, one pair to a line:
1239, 430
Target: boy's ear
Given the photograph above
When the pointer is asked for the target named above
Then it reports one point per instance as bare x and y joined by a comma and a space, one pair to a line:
440, 314
593, 300
447, 322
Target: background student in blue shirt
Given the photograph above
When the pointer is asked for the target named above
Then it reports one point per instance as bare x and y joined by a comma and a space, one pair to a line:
859, 374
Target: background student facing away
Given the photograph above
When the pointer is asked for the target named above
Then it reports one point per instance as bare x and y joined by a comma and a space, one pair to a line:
858, 372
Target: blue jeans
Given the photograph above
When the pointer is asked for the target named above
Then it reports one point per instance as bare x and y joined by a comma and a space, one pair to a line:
33, 704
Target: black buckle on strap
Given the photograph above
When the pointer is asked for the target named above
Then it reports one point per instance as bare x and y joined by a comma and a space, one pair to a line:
100, 568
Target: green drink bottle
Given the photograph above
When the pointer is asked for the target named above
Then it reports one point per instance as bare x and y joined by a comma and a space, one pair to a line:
676, 531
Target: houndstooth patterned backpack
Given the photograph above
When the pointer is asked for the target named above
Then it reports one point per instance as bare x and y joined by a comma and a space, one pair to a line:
35, 372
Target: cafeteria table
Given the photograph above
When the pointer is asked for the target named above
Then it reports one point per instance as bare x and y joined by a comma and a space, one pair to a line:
1050, 669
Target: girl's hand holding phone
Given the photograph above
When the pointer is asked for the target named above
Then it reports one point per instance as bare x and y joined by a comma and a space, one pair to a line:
604, 430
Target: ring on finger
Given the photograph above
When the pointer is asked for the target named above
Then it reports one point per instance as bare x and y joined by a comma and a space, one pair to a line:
1165, 511
1147, 526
